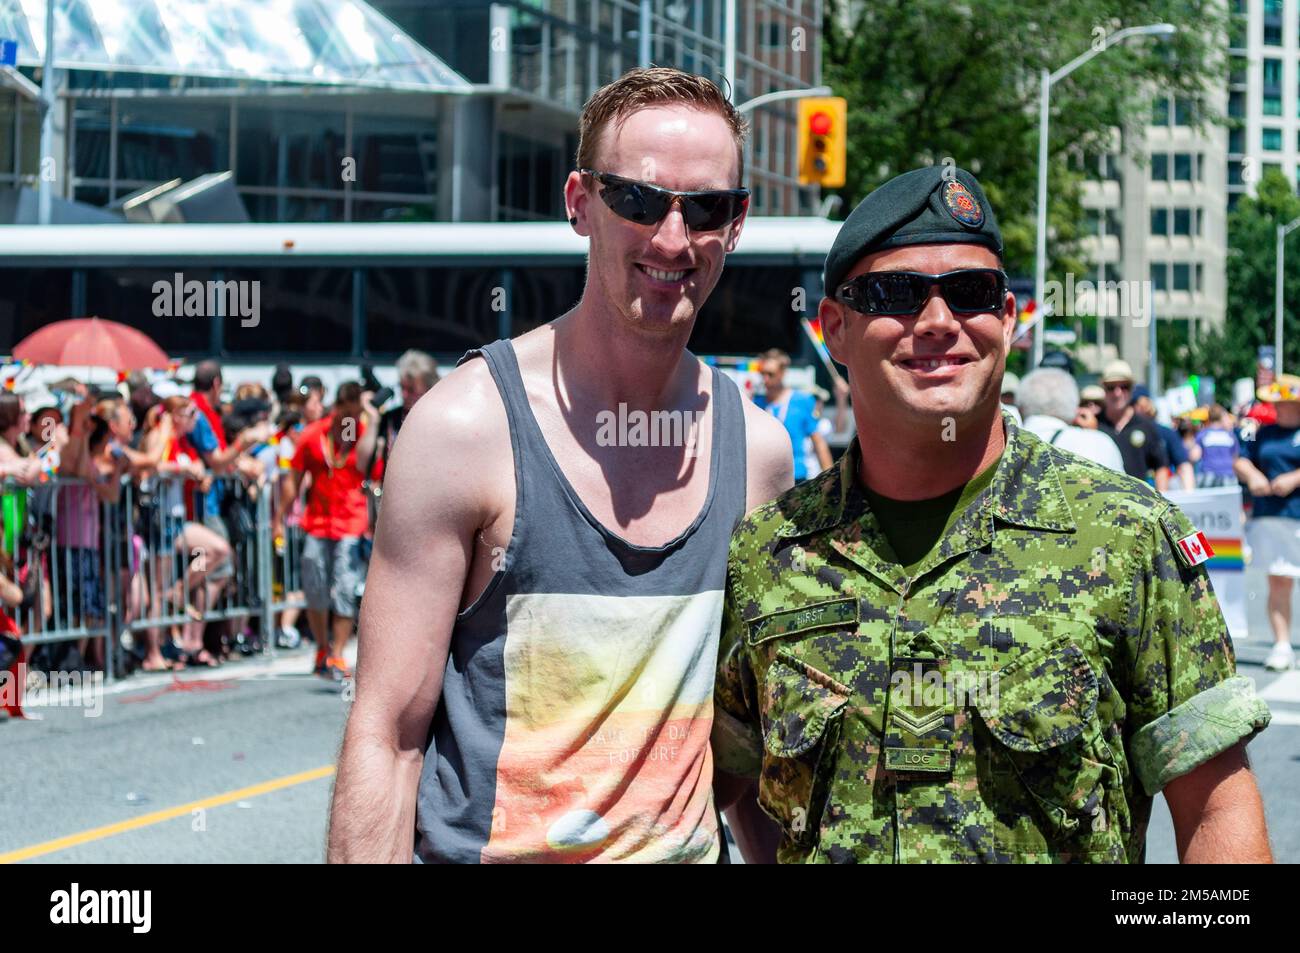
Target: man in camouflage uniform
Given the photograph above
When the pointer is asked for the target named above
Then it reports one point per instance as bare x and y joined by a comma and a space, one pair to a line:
962, 644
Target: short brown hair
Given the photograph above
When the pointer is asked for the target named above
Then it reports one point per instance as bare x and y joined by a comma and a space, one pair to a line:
349, 392
776, 354
11, 410
653, 86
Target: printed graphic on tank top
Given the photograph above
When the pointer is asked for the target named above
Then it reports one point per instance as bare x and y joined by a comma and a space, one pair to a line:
577, 702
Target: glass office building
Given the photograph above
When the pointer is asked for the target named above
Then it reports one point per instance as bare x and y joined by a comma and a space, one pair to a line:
396, 110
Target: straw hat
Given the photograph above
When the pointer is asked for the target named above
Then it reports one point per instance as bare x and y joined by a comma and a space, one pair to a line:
1117, 372
1284, 387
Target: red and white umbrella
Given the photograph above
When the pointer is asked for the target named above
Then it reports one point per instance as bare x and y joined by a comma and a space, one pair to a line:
91, 342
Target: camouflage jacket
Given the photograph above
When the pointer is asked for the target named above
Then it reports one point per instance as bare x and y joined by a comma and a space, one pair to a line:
1050, 666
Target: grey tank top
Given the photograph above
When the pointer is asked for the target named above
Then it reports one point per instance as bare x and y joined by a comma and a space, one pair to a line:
577, 701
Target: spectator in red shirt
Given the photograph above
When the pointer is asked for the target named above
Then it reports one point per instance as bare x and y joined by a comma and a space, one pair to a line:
335, 520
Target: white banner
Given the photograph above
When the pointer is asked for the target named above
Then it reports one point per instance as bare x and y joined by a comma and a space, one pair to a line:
1217, 513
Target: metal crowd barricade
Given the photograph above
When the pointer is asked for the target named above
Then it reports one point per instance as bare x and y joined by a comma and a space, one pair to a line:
95, 569
181, 575
58, 535
283, 566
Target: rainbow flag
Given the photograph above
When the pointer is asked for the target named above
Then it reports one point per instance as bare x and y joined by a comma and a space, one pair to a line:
16, 371
813, 328
1227, 555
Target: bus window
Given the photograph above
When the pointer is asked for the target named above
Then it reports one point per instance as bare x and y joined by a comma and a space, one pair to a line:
751, 310
146, 299
542, 295
298, 309
31, 298
441, 310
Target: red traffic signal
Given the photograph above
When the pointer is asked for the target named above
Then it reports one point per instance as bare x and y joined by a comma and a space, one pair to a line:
823, 143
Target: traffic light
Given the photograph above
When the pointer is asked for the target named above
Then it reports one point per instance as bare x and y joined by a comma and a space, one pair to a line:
823, 139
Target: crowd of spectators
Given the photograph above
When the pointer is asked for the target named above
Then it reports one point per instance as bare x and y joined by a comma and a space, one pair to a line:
144, 496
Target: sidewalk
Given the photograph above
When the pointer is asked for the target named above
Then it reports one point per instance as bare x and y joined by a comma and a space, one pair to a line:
287, 663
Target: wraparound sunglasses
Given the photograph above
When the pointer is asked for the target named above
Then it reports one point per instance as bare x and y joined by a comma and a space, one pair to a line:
967, 291
647, 204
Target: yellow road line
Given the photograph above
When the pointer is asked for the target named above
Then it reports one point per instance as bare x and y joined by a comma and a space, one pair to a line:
157, 817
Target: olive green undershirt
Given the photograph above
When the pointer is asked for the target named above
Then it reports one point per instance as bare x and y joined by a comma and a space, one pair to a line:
914, 527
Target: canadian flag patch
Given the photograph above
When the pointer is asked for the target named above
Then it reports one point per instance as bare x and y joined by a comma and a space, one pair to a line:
1195, 549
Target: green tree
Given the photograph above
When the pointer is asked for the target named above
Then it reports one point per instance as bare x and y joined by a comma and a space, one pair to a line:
930, 79
1251, 266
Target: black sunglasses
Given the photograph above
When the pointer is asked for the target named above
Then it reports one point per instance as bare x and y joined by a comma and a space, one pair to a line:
968, 291
646, 204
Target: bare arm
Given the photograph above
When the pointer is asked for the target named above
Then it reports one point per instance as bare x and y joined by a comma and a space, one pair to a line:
769, 463
222, 460
1218, 814
106, 478
436, 500
72, 460
288, 493
1187, 474
822, 450
1245, 469
24, 470
11, 594
370, 434
1252, 476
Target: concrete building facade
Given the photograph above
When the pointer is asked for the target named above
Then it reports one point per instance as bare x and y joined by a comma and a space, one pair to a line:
340, 110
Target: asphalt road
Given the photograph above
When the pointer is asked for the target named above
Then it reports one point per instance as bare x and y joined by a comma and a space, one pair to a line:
237, 767
156, 748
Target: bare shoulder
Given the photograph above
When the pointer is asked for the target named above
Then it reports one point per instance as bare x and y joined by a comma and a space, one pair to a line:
769, 457
463, 407
454, 451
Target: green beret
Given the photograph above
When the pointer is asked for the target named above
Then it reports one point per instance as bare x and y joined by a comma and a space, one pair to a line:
936, 205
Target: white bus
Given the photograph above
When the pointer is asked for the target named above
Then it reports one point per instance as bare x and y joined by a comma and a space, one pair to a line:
341, 294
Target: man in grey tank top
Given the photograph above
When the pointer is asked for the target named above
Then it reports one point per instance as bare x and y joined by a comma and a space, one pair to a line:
539, 636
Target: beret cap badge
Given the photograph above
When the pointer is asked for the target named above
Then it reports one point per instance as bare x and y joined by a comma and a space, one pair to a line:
962, 205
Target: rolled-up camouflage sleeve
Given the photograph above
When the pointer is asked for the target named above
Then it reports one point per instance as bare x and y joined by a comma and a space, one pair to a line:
737, 744
1186, 703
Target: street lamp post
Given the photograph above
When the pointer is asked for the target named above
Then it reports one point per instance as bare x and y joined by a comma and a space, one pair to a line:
643, 41
1045, 83
729, 47
1282, 232
750, 105
44, 197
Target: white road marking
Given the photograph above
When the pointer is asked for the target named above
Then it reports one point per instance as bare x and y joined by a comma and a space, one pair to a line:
1285, 688
1289, 718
